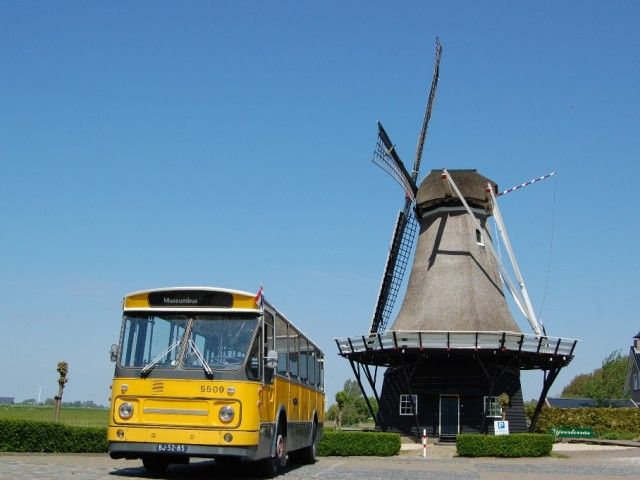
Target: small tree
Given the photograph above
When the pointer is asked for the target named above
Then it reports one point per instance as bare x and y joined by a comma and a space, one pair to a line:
341, 400
351, 406
63, 369
504, 400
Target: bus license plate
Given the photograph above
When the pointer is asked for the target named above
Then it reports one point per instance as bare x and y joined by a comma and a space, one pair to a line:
171, 448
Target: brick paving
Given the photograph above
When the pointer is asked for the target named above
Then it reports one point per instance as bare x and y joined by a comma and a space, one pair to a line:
575, 464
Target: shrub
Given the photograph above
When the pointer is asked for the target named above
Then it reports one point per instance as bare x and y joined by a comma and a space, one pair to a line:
48, 437
345, 444
516, 445
610, 420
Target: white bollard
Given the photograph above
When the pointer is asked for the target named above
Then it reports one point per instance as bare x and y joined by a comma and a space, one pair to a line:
424, 442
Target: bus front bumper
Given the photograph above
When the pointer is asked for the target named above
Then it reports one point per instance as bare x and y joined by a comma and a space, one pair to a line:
133, 450
136, 442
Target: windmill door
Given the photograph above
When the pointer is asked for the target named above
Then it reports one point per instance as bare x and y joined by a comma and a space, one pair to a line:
449, 415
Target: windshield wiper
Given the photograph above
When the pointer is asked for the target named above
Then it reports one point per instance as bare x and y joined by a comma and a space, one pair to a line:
149, 366
201, 359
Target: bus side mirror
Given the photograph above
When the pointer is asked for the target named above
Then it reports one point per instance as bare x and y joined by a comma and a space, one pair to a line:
113, 353
272, 359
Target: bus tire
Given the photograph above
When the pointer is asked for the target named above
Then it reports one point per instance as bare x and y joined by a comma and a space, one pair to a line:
309, 455
269, 467
155, 465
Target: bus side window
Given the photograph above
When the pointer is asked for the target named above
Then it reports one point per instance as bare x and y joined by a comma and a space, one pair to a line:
293, 352
304, 360
281, 345
320, 364
311, 359
268, 332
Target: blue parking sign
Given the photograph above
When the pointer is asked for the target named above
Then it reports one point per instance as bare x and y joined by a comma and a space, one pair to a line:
501, 427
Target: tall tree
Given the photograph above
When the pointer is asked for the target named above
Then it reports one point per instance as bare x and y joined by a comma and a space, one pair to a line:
603, 383
608, 381
575, 388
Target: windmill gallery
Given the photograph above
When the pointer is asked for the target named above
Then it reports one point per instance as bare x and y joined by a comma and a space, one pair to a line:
454, 353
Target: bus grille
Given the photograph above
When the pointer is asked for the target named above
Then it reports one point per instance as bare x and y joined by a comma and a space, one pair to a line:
157, 387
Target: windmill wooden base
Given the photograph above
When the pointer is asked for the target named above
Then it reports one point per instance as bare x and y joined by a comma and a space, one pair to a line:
444, 381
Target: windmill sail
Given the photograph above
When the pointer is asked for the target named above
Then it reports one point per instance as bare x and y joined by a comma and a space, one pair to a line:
386, 157
404, 230
400, 249
427, 112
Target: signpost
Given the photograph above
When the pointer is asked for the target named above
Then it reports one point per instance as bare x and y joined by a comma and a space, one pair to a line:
501, 427
573, 432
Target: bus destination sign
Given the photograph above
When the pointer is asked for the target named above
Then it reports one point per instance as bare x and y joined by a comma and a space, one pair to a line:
190, 298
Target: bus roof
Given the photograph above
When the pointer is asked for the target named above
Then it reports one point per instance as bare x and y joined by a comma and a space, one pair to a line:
195, 298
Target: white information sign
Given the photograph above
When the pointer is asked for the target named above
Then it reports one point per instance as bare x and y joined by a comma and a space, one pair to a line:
501, 427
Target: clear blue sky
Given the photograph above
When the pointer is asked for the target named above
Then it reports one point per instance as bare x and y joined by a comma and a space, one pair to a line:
152, 144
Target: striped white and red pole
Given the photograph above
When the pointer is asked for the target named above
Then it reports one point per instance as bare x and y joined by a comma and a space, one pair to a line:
424, 442
508, 190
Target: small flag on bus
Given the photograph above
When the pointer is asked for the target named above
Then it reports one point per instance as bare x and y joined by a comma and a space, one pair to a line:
258, 299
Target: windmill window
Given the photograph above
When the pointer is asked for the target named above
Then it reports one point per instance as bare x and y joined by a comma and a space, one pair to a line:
479, 238
492, 407
407, 404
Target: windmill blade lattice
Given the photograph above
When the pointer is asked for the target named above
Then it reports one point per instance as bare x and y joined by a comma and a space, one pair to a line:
399, 253
386, 158
427, 112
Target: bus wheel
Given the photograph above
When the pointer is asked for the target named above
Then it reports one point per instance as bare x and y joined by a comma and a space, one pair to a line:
155, 465
308, 455
281, 451
269, 467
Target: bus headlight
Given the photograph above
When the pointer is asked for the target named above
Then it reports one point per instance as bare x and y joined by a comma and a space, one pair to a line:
226, 414
125, 410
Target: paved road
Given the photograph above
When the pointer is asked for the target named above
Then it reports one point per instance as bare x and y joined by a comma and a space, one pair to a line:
618, 463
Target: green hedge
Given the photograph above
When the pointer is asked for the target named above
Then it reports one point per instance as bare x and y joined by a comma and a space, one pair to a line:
516, 445
49, 437
602, 420
345, 444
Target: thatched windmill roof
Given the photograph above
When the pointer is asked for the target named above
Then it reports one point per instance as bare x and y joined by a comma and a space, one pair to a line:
454, 283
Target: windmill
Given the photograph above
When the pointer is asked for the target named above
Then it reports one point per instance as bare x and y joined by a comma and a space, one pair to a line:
454, 348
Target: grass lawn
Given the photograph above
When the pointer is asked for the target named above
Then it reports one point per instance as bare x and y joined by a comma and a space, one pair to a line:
81, 417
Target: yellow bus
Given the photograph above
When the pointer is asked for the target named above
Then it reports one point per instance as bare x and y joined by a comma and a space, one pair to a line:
213, 373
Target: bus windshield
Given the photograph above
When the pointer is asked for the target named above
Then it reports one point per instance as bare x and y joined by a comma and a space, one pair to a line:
188, 341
